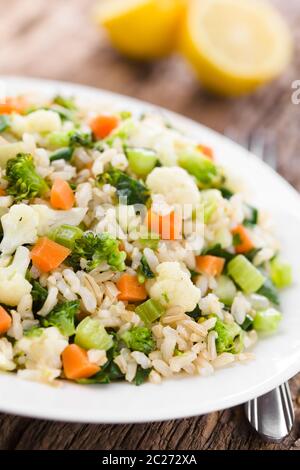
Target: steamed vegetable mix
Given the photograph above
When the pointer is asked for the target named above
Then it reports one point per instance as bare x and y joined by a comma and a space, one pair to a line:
126, 251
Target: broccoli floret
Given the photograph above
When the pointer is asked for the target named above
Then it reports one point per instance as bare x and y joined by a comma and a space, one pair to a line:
129, 190
95, 249
80, 139
63, 317
230, 337
139, 339
24, 181
39, 295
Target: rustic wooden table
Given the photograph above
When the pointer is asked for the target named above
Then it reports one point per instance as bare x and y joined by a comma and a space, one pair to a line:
57, 40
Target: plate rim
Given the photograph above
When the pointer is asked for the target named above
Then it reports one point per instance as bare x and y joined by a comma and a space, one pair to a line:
226, 402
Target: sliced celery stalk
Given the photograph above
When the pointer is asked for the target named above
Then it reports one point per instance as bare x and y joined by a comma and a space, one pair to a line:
204, 170
141, 160
58, 139
267, 321
225, 290
91, 334
245, 274
66, 235
150, 311
281, 273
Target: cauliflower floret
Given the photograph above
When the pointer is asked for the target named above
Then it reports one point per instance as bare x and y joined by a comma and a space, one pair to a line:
19, 228
43, 352
38, 121
49, 218
177, 187
43, 121
173, 287
13, 285
6, 355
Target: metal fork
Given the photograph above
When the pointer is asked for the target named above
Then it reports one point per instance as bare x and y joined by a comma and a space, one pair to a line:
271, 415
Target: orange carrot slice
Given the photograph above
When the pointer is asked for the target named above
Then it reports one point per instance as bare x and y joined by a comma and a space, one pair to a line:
47, 255
5, 321
130, 289
210, 265
61, 196
102, 125
76, 363
245, 243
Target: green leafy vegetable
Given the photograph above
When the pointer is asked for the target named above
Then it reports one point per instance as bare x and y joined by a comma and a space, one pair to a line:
63, 317
39, 295
66, 235
144, 269
195, 314
141, 375
218, 251
226, 193
139, 339
281, 273
91, 334
4, 122
109, 371
252, 219
95, 249
267, 321
229, 337
23, 180
129, 190
62, 154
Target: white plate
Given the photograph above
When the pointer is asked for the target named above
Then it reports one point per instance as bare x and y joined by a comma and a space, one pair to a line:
277, 357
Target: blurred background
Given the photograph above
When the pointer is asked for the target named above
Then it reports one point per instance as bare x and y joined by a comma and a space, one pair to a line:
59, 39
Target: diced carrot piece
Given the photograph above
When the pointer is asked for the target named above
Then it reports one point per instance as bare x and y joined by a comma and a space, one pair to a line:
103, 125
210, 265
5, 321
13, 105
47, 255
61, 195
76, 363
2, 192
130, 289
246, 243
207, 151
167, 226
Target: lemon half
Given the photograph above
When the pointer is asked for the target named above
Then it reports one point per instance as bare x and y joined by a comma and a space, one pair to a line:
141, 29
235, 45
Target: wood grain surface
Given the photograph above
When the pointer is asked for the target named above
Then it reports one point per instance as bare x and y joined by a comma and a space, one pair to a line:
57, 39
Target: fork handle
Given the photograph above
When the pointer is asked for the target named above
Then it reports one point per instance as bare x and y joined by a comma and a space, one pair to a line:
272, 415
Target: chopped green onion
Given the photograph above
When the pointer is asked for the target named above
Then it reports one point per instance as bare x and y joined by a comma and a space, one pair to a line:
91, 334
248, 323
66, 235
281, 273
4, 122
141, 160
150, 311
267, 321
245, 274
62, 154
225, 290
269, 291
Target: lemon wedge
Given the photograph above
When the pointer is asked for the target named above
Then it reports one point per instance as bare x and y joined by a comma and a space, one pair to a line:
235, 45
141, 29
